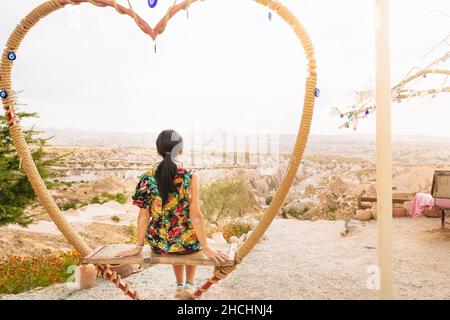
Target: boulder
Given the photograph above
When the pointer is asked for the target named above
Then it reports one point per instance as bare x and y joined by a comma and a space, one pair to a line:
363, 215
407, 205
374, 210
399, 212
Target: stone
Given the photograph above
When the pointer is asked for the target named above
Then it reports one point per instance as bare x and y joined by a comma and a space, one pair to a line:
398, 212
363, 215
374, 210
407, 205
85, 276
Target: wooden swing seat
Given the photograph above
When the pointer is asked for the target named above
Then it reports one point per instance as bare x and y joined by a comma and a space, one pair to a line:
106, 254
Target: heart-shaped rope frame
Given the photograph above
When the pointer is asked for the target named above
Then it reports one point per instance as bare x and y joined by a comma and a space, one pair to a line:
43, 195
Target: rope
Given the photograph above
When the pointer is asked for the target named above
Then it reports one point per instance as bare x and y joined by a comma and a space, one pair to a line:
43, 194
300, 143
21, 145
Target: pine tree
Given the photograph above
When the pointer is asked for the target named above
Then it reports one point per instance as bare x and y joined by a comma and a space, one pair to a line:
16, 193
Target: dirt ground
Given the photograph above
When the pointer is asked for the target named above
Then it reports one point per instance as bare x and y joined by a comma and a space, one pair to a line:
306, 260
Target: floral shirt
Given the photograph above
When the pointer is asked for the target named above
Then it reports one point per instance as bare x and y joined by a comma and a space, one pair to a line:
170, 230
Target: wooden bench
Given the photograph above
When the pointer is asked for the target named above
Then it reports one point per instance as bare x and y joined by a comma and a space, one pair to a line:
106, 254
365, 202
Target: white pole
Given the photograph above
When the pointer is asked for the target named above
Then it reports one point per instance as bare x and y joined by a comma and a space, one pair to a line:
384, 151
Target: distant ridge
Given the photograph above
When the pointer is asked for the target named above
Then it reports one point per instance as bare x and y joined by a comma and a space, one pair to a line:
92, 138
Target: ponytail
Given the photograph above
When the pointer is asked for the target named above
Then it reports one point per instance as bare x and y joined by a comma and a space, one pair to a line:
165, 173
168, 144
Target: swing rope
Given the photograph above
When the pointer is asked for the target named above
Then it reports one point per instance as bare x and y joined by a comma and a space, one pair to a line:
41, 190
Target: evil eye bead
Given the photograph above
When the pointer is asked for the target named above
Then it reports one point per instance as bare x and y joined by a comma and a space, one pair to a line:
152, 3
3, 94
367, 112
270, 15
12, 56
317, 92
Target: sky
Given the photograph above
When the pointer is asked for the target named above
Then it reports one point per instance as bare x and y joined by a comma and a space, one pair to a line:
227, 67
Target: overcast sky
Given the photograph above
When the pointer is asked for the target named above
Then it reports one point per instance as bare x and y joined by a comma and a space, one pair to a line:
226, 67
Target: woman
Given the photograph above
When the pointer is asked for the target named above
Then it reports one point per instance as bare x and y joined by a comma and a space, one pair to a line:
169, 215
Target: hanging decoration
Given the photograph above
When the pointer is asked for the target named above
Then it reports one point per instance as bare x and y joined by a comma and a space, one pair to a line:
152, 3
404, 90
12, 56
3, 94
270, 15
317, 92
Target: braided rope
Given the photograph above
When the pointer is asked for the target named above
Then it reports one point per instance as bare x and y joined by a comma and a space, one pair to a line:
38, 185
116, 279
297, 154
22, 148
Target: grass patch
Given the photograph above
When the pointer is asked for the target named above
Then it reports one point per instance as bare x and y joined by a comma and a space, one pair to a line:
67, 205
106, 196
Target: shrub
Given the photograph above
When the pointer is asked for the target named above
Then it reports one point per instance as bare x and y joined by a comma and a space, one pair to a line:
108, 195
235, 228
95, 200
115, 218
294, 212
18, 274
224, 198
121, 198
67, 205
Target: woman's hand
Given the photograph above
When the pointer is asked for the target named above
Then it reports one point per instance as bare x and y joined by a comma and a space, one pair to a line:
215, 255
129, 253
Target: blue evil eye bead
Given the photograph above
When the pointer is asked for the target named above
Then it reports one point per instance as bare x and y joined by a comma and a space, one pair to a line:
367, 112
317, 92
270, 16
425, 75
152, 3
3, 94
12, 56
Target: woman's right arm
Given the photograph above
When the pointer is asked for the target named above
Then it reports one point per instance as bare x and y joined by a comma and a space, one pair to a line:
142, 223
198, 222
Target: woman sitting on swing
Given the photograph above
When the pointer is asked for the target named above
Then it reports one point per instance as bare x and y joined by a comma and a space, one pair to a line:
169, 215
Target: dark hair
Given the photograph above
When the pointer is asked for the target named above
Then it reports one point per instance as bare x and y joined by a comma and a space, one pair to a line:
169, 143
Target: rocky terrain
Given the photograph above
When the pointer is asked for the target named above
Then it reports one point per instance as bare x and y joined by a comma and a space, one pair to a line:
333, 173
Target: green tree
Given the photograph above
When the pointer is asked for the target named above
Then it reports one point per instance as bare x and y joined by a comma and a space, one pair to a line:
15, 191
224, 198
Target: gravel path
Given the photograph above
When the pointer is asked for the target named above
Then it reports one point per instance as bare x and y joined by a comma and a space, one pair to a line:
306, 260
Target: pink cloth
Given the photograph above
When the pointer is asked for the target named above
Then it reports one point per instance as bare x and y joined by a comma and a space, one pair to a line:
422, 200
